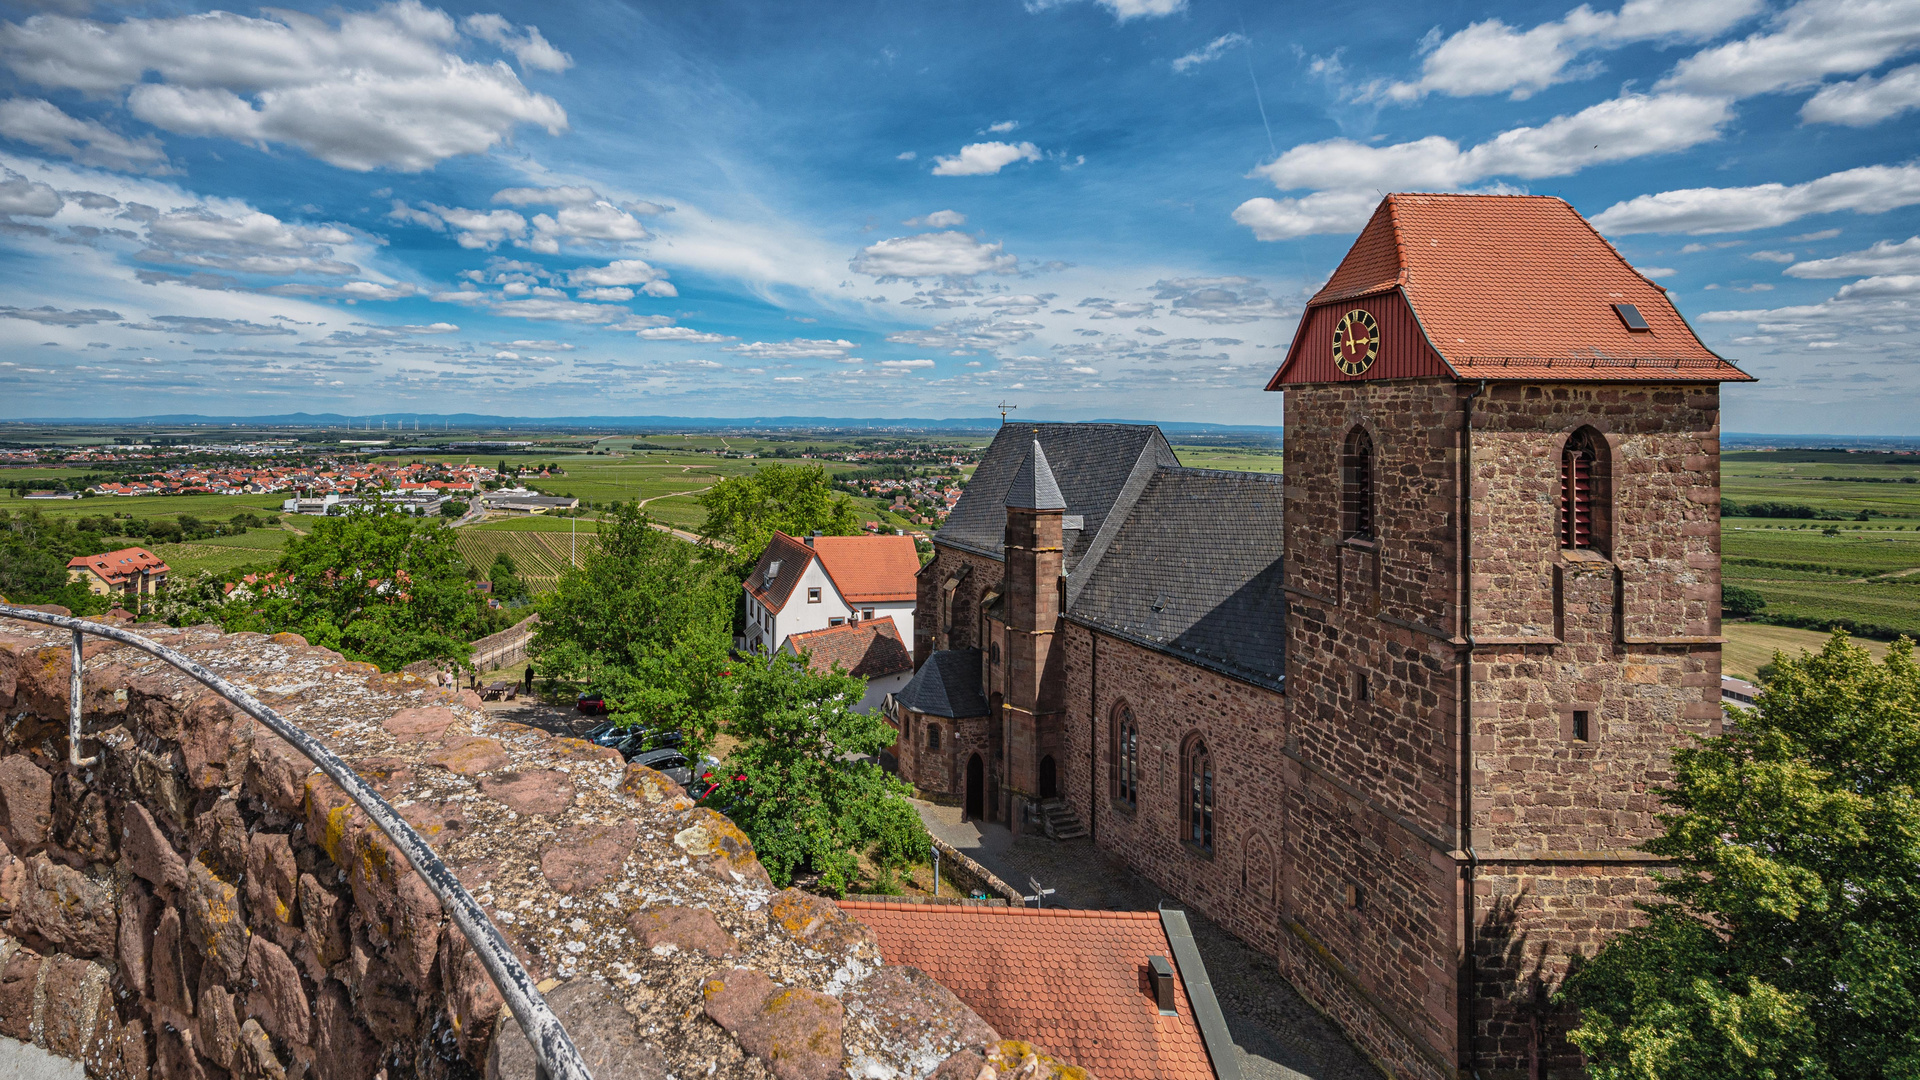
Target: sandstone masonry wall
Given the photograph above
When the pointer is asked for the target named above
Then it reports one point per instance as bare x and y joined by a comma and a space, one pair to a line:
202, 903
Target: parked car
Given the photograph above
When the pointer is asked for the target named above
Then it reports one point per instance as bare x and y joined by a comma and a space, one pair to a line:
674, 764
631, 740
592, 704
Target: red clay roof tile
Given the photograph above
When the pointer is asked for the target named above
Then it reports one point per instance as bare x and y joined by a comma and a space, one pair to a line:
1520, 287
1071, 982
870, 569
870, 648
115, 567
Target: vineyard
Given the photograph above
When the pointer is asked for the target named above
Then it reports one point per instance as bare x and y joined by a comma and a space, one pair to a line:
541, 556
188, 559
1861, 579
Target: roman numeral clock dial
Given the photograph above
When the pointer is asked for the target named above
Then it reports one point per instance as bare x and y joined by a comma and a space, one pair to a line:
1356, 341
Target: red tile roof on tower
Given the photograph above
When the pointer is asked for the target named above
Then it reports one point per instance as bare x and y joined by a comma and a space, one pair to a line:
869, 648
870, 569
115, 567
1518, 287
1070, 982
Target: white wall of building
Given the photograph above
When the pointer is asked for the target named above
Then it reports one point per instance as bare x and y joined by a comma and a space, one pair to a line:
769, 630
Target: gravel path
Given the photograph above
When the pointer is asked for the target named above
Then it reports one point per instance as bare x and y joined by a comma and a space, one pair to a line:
1279, 1035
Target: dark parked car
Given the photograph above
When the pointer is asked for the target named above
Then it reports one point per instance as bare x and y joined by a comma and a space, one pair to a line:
592, 704
631, 740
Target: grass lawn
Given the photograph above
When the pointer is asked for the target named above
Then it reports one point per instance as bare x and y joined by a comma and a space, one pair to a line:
1750, 645
186, 559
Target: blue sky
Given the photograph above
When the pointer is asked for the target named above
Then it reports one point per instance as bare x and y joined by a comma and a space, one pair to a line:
739, 209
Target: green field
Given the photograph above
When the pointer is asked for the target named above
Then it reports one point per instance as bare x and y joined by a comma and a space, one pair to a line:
541, 556
188, 559
1232, 459
208, 507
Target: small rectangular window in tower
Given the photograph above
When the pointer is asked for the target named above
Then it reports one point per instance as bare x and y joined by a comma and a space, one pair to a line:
1356, 896
1581, 726
1631, 316
1361, 690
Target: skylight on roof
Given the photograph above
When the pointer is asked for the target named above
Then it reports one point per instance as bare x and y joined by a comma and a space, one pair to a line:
1632, 317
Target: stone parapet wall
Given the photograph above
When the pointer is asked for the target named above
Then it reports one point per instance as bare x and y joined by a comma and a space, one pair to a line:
203, 903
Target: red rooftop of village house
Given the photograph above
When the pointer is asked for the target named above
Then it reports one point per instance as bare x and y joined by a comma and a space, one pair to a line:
114, 567
870, 569
869, 648
1071, 982
1518, 287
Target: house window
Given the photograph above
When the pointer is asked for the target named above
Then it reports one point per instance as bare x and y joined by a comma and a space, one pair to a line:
813, 596
1199, 787
1584, 518
933, 736
1126, 757
836, 622
866, 613
1356, 486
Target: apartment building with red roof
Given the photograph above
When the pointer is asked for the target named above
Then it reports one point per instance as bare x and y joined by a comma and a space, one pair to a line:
132, 572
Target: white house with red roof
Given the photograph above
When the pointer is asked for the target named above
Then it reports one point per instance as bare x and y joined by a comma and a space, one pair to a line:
803, 584
130, 571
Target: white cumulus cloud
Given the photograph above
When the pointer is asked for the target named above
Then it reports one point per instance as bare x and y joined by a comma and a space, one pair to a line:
794, 349
1885, 257
941, 254
42, 124
527, 46
1872, 189
939, 219
374, 89
984, 159
1804, 44
1866, 100
1491, 57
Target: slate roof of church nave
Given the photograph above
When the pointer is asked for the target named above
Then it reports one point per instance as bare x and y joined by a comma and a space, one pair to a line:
1098, 467
1195, 570
1202, 546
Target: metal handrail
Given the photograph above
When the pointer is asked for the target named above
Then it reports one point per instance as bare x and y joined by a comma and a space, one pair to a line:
553, 1051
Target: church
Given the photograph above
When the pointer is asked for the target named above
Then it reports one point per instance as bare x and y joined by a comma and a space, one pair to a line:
1397, 717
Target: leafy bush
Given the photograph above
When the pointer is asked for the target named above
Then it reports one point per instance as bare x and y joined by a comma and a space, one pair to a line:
1740, 601
1787, 939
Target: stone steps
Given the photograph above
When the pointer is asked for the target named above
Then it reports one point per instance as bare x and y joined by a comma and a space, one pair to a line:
1059, 820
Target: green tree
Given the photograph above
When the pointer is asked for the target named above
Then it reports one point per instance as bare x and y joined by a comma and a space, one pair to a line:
743, 512
1788, 940
802, 790
505, 578
1740, 601
647, 620
378, 584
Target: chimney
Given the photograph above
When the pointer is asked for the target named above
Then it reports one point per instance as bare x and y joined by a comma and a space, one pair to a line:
1160, 973
808, 540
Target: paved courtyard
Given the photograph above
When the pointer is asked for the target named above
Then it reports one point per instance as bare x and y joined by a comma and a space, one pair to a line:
1279, 1035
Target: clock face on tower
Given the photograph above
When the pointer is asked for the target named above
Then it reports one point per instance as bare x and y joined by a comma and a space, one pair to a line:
1356, 341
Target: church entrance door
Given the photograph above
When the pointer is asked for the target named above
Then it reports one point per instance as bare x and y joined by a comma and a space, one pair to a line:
976, 788
1049, 778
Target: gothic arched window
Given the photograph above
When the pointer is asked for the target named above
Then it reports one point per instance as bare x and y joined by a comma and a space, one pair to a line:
1585, 518
1199, 785
1126, 757
1356, 486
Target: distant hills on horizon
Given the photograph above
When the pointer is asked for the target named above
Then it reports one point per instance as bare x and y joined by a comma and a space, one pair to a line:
403, 423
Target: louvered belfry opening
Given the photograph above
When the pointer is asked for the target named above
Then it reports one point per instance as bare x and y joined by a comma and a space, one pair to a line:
1582, 505
1356, 486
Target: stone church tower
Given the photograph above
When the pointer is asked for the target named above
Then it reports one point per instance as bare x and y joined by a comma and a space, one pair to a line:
1503, 555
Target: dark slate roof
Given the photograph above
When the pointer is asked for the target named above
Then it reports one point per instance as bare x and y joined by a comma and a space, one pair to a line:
948, 684
1195, 571
1034, 487
1097, 467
